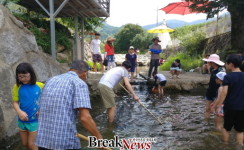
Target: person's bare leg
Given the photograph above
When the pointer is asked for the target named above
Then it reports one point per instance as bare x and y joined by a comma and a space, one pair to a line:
24, 138
102, 67
207, 109
177, 74
111, 114
218, 123
162, 90
239, 138
159, 90
226, 136
31, 141
132, 76
95, 66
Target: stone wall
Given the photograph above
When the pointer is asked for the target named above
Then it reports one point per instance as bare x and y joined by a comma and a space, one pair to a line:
217, 44
17, 45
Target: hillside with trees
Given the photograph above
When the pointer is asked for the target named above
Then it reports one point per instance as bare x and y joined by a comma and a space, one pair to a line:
236, 10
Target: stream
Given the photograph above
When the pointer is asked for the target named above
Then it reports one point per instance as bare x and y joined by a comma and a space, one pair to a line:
184, 126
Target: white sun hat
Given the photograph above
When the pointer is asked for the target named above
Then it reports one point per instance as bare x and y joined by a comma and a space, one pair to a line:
214, 58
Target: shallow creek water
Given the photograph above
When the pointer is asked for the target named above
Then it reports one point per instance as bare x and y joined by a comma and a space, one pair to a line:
184, 127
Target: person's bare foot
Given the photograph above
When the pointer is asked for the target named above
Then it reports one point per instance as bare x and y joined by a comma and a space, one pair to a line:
177, 77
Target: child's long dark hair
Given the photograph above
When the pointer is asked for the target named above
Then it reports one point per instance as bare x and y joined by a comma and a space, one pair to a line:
25, 68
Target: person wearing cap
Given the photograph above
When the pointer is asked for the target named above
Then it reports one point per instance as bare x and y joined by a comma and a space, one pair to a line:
211, 94
155, 50
109, 52
218, 114
96, 52
131, 57
64, 98
232, 95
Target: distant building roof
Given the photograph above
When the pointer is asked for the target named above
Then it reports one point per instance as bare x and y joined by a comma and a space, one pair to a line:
81, 8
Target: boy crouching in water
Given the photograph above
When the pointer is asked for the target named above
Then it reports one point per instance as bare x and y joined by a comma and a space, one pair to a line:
162, 83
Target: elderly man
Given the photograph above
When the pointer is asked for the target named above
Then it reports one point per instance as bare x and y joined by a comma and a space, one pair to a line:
63, 97
155, 50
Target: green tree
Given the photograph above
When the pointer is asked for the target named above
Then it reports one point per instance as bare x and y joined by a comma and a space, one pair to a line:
6, 2
193, 43
142, 40
125, 36
236, 9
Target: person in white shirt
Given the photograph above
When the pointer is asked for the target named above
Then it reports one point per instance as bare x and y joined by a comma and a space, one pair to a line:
162, 82
107, 83
96, 52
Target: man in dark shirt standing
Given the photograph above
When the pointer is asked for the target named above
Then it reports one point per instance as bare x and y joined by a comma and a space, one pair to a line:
155, 50
233, 97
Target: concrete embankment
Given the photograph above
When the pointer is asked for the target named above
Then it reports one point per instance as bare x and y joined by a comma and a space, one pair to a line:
188, 81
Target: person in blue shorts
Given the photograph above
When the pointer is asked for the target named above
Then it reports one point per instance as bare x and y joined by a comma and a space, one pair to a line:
232, 96
212, 90
26, 93
132, 58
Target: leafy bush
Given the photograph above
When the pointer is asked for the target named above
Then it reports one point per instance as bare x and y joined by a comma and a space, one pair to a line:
193, 43
63, 39
42, 39
90, 64
187, 62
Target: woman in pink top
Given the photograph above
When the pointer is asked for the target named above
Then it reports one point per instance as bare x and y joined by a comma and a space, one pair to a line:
109, 52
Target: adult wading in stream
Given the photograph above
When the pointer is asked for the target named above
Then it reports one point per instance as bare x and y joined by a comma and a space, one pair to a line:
211, 94
232, 95
107, 83
63, 97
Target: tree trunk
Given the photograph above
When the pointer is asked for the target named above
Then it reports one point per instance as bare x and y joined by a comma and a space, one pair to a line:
237, 27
